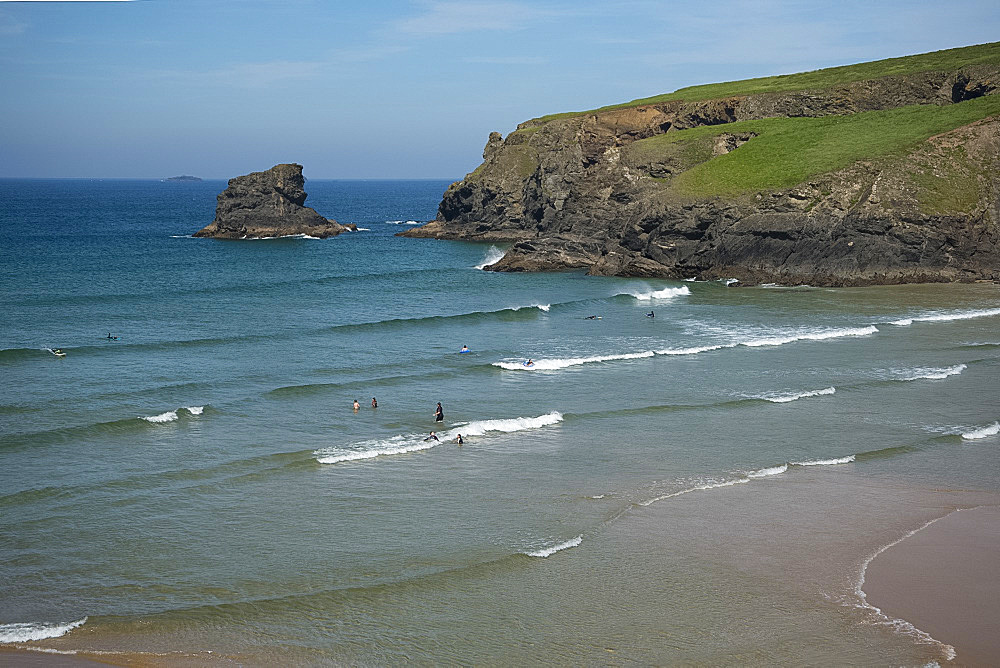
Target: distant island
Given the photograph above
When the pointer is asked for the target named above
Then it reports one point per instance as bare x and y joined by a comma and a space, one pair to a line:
880, 173
183, 177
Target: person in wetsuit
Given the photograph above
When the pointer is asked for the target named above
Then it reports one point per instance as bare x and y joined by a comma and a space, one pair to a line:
432, 437
439, 413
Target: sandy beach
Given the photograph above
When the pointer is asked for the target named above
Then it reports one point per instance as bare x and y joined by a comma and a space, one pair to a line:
945, 580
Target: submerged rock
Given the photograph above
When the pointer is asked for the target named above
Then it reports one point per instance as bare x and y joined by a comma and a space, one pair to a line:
268, 204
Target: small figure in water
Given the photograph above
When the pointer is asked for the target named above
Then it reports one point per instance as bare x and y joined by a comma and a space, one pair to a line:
591, 317
357, 406
459, 440
530, 362
650, 315
374, 403
432, 437
464, 349
112, 338
439, 413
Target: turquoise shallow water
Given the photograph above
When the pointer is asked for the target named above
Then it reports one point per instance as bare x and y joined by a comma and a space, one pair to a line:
704, 485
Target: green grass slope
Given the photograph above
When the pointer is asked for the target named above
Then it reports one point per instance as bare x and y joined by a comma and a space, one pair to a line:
949, 59
789, 151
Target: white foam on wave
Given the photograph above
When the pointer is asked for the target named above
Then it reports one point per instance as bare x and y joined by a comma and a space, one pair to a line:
764, 473
557, 363
825, 462
547, 551
957, 315
665, 293
815, 335
26, 631
699, 488
931, 373
899, 625
694, 350
406, 443
905, 322
363, 229
169, 416
402, 222
785, 398
195, 410
982, 432
481, 427
493, 255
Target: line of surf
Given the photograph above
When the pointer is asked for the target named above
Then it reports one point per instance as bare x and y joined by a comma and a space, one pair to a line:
28, 631
650, 294
552, 549
982, 432
946, 316
408, 443
748, 476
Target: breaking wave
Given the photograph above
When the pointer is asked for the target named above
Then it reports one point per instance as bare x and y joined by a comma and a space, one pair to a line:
552, 364
406, 443
26, 631
548, 551
748, 477
930, 373
170, 416
785, 398
493, 255
947, 316
665, 293
982, 432
810, 336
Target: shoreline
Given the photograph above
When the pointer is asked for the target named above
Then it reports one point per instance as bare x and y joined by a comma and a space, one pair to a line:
944, 579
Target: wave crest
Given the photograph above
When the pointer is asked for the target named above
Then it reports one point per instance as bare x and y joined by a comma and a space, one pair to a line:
548, 551
493, 255
26, 631
665, 293
982, 432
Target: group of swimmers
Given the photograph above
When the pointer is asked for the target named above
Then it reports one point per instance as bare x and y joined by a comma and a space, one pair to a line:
357, 406
438, 417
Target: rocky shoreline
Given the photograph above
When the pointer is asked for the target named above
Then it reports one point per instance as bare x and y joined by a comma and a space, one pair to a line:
585, 191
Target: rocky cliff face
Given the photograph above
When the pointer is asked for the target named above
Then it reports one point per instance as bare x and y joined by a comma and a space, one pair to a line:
585, 192
268, 204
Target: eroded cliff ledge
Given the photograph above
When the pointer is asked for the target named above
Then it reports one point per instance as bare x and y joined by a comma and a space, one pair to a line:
268, 204
884, 172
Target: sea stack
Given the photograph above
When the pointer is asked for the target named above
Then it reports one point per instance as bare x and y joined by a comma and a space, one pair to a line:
268, 204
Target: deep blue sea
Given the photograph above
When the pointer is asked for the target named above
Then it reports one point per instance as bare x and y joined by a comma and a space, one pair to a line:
704, 486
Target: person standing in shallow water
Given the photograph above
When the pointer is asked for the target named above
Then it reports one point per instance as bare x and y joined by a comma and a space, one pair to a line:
374, 403
357, 406
439, 413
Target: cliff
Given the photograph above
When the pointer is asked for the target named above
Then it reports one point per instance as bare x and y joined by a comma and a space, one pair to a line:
268, 204
883, 172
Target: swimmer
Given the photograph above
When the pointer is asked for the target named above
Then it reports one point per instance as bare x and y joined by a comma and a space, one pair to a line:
530, 362
439, 413
650, 315
357, 406
374, 403
432, 437
459, 440
591, 317
464, 349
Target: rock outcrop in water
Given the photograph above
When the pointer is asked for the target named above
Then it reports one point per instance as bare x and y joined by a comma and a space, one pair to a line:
627, 192
268, 204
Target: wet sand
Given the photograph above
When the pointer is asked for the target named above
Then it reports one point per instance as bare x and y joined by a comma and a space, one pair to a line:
945, 580
16, 657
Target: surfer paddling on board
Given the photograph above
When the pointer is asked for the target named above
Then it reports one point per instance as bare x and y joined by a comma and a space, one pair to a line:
439, 413
650, 315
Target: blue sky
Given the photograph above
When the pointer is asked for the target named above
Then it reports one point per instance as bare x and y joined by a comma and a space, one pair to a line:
390, 89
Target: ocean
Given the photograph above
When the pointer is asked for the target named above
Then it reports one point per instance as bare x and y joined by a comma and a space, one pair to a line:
703, 486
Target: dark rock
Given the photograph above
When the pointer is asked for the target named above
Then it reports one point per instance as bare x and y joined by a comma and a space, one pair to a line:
268, 204
571, 193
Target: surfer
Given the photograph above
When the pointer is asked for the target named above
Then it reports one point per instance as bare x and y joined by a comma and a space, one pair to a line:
591, 317
374, 403
112, 338
439, 413
650, 315
432, 437
464, 349
530, 362
459, 440
357, 406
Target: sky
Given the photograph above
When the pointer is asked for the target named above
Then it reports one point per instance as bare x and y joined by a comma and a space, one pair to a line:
394, 88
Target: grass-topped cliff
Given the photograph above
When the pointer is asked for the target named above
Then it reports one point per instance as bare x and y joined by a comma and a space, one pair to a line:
870, 173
